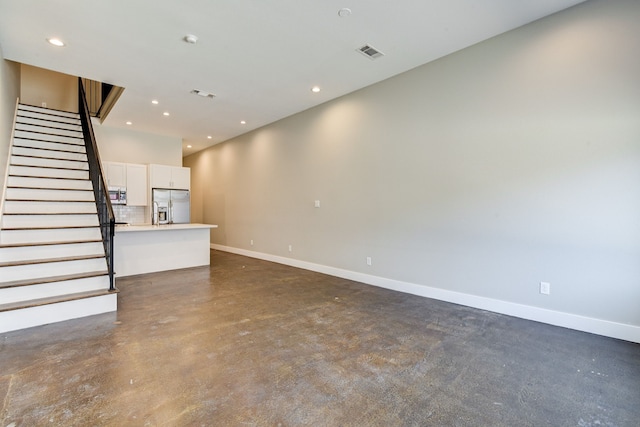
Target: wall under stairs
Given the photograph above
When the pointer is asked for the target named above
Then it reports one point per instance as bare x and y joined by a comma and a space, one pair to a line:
52, 260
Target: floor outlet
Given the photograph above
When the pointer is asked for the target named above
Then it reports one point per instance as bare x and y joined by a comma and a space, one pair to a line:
368, 260
545, 288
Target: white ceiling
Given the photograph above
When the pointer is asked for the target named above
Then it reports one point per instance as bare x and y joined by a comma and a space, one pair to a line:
259, 57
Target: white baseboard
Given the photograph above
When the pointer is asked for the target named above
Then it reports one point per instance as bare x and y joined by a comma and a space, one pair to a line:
557, 318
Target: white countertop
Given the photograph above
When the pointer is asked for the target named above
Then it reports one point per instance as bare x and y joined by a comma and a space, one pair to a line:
164, 227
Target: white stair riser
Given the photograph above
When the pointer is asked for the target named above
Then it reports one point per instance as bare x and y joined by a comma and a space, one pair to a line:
42, 116
39, 271
52, 163
52, 195
26, 253
51, 313
40, 221
55, 235
20, 181
37, 152
32, 143
46, 290
49, 207
50, 121
54, 173
48, 130
24, 107
46, 137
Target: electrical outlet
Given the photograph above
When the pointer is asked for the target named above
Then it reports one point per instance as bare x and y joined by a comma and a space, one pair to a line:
368, 260
251, 242
290, 248
316, 203
44, 105
545, 288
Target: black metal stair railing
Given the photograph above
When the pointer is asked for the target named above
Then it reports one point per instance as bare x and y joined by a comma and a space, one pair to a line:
100, 190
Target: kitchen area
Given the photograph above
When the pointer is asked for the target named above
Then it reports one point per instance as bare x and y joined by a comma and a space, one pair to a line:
151, 204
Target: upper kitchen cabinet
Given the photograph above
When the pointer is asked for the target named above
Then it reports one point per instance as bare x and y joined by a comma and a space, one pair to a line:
116, 174
162, 176
137, 185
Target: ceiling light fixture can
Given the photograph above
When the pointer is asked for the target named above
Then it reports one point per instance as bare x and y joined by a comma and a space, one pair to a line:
345, 11
166, 113
315, 89
154, 102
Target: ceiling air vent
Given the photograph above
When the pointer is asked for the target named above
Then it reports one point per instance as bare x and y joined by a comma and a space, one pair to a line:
202, 93
370, 52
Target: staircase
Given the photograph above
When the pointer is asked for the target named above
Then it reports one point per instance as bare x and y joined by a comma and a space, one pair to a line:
52, 259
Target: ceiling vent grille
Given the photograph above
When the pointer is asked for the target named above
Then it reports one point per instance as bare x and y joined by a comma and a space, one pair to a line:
370, 51
202, 93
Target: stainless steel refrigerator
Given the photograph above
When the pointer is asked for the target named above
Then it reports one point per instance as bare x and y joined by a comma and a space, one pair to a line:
171, 206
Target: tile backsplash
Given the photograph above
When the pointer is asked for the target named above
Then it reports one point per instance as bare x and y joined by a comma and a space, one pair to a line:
130, 214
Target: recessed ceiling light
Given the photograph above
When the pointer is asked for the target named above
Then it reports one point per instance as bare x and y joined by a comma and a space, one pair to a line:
154, 102
56, 42
315, 89
166, 113
209, 136
188, 146
345, 11
242, 122
129, 123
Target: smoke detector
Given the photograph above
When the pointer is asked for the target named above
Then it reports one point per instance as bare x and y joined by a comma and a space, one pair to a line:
370, 51
191, 39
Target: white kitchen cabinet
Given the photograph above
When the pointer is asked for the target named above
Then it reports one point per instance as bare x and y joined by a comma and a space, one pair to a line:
136, 185
162, 176
116, 174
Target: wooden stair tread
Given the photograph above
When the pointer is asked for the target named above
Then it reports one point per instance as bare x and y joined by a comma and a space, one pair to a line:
53, 279
48, 177
49, 201
61, 242
48, 167
75, 144
45, 149
54, 300
49, 213
49, 189
62, 227
30, 156
49, 260
51, 134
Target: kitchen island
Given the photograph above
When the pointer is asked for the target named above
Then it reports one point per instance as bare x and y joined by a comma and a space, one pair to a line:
140, 249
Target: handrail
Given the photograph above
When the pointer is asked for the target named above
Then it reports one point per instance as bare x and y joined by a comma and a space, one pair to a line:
9, 152
100, 189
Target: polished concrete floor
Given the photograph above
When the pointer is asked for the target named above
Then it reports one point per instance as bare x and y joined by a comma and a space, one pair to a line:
250, 343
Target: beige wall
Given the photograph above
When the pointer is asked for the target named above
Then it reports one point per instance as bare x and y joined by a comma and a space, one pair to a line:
130, 146
484, 173
9, 92
59, 91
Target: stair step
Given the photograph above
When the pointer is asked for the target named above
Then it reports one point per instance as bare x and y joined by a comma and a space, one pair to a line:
48, 130
56, 309
26, 170
18, 160
60, 146
47, 153
19, 272
40, 250
50, 235
13, 221
48, 194
48, 116
63, 285
23, 262
49, 111
47, 182
49, 123
36, 207
77, 140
